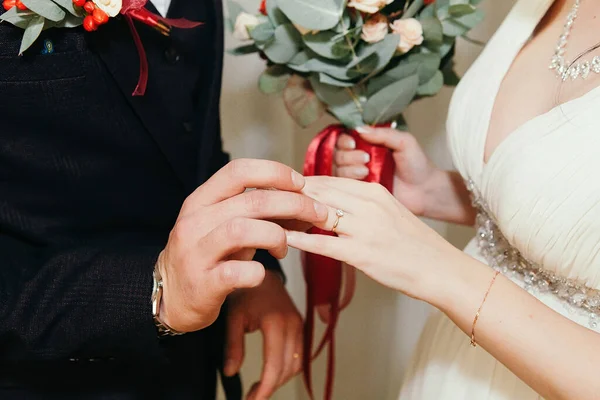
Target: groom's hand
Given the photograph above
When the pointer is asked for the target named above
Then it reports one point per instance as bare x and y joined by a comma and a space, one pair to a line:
219, 220
270, 309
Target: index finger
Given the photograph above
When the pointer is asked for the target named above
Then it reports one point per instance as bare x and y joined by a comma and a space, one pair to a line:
241, 174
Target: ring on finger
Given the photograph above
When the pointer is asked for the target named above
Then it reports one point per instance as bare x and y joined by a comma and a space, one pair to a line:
338, 215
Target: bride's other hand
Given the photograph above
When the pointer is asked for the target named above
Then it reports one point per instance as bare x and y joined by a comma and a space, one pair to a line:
419, 185
377, 235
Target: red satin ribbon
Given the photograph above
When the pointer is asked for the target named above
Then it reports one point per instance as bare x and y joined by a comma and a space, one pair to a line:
134, 9
324, 275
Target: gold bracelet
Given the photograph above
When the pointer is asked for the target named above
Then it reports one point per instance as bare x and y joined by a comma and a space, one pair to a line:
473, 342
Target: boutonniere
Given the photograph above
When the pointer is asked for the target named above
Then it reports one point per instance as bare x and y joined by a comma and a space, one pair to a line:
34, 16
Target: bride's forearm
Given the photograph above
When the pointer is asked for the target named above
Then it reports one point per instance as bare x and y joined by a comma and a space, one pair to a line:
555, 356
447, 199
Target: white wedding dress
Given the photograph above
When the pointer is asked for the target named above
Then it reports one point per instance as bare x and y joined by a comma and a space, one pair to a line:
539, 222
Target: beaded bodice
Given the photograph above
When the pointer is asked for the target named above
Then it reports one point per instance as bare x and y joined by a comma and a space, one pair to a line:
500, 255
538, 195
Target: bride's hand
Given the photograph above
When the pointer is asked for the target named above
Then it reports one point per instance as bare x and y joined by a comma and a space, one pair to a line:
377, 235
414, 177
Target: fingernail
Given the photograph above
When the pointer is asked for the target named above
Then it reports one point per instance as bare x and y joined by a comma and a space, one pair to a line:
362, 171
351, 144
321, 210
297, 180
366, 157
364, 129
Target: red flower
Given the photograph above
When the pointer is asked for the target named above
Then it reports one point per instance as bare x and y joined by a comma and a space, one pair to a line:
427, 2
263, 7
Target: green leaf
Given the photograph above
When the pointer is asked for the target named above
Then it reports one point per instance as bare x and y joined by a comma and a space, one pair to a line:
389, 102
432, 30
46, 9
458, 10
274, 79
276, 16
18, 18
243, 50
322, 44
451, 78
344, 24
70, 7
70, 21
343, 103
285, 44
413, 9
374, 57
301, 102
32, 32
234, 9
336, 70
326, 79
297, 63
446, 46
313, 14
262, 33
459, 25
433, 86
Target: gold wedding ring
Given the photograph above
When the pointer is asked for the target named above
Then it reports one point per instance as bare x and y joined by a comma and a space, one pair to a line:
338, 215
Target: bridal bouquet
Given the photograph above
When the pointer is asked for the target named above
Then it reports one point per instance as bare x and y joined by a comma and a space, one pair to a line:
364, 62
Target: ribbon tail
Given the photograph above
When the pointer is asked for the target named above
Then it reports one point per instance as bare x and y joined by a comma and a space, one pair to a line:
140, 89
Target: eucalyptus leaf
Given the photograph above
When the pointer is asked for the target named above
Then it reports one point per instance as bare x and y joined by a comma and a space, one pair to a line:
285, 44
301, 102
413, 9
475, 2
455, 2
460, 25
276, 16
274, 79
458, 10
344, 24
391, 101
46, 9
374, 57
433, 86
262, 33
432, 30
313, 14
328, 80
70, 21
323, 44
242, 50
298, 61
343, 103
451, 78
18, 18
70, 7
336, 70
234, 9
32, 32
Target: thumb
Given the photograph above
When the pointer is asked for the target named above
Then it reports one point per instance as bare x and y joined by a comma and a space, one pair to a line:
234, 274
388, 137
234, 350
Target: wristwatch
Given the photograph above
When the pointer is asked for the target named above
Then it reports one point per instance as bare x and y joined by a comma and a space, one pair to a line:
157, 289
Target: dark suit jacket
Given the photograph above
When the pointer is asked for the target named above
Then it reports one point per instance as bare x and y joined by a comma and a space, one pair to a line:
91, 182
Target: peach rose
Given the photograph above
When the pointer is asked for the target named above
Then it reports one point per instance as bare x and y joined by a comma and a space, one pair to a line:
369, 6
410, 31
375, 28
243, 23
111, 7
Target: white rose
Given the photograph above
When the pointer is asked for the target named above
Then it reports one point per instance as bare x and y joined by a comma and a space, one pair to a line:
410, 31
243, 23
111, 7
375, 28
369, 6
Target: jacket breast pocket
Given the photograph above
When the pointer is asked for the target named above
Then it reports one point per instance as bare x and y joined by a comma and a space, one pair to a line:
58, 54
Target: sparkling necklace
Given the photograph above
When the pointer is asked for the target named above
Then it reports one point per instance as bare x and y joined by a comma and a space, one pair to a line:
563, 68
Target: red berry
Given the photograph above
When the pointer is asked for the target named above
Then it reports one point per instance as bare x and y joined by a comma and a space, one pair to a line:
89, 6
8, 4
100, 17
79, 3
20, 5
89, 24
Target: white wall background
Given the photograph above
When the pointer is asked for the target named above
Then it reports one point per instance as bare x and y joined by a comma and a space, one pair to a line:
377, 333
